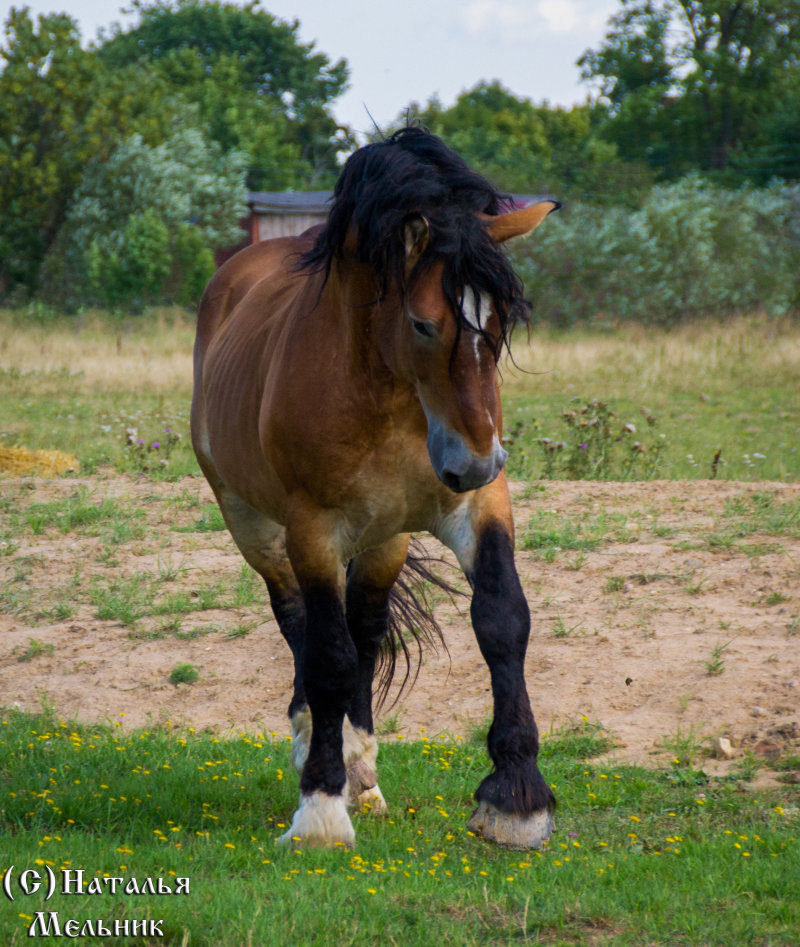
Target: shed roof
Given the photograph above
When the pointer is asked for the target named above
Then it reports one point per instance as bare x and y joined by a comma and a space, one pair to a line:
289, 202
313, 202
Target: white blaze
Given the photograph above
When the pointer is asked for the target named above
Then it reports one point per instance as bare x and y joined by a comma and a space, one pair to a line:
475, 308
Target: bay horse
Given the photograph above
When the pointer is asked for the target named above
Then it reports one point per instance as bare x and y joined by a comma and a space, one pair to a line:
346, 396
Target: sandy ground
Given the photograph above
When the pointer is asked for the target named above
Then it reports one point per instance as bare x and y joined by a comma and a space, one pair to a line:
634, 659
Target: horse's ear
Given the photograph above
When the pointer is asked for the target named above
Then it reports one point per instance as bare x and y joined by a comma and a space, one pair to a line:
518, 223
416, 233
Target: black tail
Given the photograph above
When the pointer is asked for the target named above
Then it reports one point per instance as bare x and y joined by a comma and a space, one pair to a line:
411, 617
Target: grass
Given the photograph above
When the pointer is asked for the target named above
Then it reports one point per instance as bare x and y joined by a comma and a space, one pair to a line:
727, 387
639, 856
150, 601
707, 388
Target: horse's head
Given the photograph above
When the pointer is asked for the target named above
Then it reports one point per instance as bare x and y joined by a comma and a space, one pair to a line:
424, 228
446, 341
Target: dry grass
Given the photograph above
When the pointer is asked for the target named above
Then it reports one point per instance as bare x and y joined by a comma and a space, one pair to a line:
153, 353
636, 360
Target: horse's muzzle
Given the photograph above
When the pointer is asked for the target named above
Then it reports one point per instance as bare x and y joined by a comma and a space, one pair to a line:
456, 465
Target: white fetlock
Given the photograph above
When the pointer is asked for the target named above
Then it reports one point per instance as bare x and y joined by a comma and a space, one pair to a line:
301, 737
360, 757
510, 830
358, 744
320, 820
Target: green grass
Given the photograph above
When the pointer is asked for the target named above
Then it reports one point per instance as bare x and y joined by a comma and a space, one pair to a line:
549, 533
709, 389
639, 856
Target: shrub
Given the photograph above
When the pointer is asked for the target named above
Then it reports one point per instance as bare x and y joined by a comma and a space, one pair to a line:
691, 249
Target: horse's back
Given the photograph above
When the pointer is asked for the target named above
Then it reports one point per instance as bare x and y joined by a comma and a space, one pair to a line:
242, 320
271, 261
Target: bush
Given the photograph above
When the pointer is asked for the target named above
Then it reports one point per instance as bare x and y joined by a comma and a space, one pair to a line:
143, 224
691, 249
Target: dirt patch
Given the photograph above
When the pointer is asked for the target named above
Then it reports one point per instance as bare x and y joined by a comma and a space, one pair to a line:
666, 625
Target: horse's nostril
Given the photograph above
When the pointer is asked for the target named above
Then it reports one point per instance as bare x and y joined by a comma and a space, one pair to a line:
451, 481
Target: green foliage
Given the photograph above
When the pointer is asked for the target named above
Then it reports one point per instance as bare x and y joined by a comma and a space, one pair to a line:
130, 276
692, 249
194, 263
701, 84
183, 674
128, 234
526, 148
236, 76
258, 89
640, 855
61, 111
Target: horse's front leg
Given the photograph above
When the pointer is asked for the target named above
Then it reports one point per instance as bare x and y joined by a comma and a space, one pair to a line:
330, 676
514, 801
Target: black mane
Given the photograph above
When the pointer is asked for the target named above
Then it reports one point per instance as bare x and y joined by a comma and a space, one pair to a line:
385, 184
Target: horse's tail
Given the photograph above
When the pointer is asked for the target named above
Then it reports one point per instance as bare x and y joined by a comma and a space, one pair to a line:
412, 625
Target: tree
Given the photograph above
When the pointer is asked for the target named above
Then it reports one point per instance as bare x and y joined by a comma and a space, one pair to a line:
46, 89
257, 87
527, 148
60, 110
143, 223
689, 83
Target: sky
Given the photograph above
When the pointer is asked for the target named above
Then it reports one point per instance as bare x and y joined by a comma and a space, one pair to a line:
404, 51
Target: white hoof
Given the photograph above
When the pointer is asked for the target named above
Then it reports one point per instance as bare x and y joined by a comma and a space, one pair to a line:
509, 830
371, 800
320, 820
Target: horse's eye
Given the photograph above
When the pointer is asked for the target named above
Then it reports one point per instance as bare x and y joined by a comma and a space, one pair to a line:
422, 328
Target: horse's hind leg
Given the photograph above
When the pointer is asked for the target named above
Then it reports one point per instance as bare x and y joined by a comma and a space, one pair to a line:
262, 542
370, 578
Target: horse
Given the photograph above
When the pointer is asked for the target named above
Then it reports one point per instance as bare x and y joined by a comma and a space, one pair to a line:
346, 396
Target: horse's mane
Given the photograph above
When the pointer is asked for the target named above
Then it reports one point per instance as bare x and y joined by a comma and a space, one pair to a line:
412, 172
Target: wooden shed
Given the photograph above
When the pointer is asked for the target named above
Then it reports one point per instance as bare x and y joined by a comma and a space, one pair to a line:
276, 214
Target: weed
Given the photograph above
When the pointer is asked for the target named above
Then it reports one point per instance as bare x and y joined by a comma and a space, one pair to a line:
614, 583
695, 588
747, 766
684, 746
594, 446
560, 629
61, 611
183, 674
248, 588
389, 724
242, 629
124, 600
34, 649
775, 598
716, 665
577, 563
168, 571
210, 521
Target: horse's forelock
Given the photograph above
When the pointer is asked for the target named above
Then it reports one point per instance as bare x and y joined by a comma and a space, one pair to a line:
410, 173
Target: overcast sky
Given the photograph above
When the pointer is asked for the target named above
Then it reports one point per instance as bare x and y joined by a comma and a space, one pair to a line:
400, 51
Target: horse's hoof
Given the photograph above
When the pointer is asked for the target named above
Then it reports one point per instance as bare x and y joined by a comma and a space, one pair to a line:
320, 821
371, 800
361, 779
510, 830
